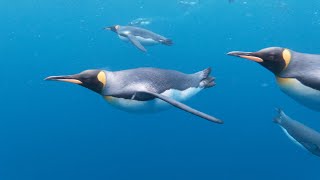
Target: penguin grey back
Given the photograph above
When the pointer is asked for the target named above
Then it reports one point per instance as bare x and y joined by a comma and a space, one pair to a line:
126, 82
304, 135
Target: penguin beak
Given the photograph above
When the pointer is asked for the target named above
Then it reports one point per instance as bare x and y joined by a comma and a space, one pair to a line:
74, 79
252, 56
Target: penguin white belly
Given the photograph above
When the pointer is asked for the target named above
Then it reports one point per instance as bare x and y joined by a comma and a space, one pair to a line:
152, 105
303, 94
143, 41
147, 41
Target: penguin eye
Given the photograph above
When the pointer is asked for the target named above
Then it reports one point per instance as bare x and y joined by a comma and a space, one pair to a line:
271, 57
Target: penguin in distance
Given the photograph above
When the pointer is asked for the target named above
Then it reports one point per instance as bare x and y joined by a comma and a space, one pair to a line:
139, 37
144, 89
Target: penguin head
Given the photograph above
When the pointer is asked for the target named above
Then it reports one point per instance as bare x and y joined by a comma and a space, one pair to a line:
113, 28
275, 59
94, 80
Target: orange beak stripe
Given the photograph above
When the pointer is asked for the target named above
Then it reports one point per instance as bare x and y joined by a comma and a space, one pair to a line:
74, 81
252, 58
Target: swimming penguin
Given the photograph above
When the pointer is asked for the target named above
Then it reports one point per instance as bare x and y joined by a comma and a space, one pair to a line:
297, 74
139, 36
140, 22
144, 89
299, 133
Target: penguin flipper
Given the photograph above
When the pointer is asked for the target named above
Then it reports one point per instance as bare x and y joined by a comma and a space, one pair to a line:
183, 106
135, 42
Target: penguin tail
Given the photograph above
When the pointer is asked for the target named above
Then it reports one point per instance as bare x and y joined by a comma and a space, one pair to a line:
206, 80
167, 42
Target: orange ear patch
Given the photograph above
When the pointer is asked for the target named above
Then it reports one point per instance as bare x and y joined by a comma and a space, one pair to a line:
286, 55
102, 78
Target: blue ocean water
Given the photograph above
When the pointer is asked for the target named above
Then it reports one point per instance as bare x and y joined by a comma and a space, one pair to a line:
52, 130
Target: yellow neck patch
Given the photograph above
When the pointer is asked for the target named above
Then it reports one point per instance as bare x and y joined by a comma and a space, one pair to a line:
286, 55
108, 98
102, 78
285, 81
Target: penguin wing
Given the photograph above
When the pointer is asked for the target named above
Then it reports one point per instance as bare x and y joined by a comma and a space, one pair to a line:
182, 106
135, 42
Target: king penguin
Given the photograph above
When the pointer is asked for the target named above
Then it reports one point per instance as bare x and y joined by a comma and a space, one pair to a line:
139, 36
297, 74
144, 89
299, 133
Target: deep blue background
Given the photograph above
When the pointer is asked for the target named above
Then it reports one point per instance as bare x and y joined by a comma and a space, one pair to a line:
61, 131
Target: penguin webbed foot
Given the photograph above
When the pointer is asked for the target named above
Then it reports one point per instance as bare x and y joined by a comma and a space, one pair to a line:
280, 116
